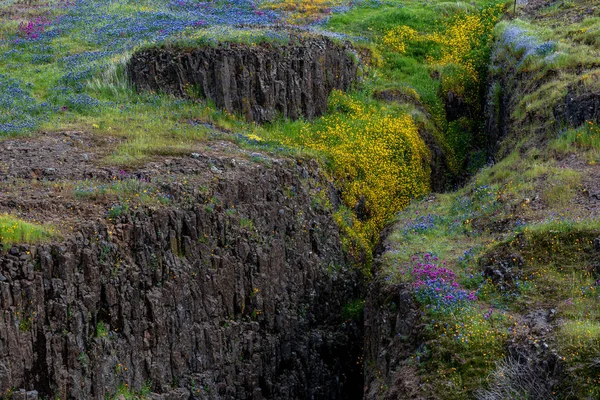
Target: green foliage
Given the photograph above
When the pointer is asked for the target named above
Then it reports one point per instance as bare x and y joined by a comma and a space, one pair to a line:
15, 231
561, 192
354, 310
116, 210
83, 359
484, 224
101, 330
131, 394
463, 350
583, 140
246, 223
25, 324
215, 36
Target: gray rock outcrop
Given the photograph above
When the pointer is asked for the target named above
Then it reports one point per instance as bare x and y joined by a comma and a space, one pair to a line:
261, 82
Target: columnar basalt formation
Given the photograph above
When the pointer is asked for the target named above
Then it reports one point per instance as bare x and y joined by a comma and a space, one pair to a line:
236, 294
261, 82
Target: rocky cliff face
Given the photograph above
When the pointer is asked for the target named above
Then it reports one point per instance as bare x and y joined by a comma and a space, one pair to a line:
236, 293
392, 324
260, 82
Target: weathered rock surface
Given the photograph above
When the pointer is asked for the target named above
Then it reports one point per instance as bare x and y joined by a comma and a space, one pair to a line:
236, 295
392, 329
508, 86
579, 106
260, 82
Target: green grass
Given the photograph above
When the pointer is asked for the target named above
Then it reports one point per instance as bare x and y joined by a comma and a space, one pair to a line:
569, 65
150, 124
354, 310
126, 189
124, 391
102, 330
16, 231
397, 71
463, 350
214, 36
520, 207
246, 223
578, 341
117, 210
584, 140
580, 338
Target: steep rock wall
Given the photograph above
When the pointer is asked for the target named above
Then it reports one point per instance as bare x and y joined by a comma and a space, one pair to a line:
236, 295
260, 82
392, 331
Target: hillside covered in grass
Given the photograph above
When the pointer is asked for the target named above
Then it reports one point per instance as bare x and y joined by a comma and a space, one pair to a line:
64, 68
441, 204
505, 269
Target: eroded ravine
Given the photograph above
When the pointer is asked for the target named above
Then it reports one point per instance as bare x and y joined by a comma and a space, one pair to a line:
234, 290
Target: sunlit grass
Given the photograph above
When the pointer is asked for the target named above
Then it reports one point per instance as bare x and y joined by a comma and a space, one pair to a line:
584, 140
16, 231
579, 339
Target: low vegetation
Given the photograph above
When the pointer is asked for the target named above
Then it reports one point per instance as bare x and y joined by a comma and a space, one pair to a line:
520, 236
373, 148
16, 231
519, 241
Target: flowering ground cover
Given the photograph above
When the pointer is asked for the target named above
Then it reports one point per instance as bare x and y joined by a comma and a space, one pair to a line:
450, 247
62, 67
50, 57
14, 230
63, 63
359, 137
521, 238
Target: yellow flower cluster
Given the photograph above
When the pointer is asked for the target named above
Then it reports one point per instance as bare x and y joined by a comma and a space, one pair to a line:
457, 42
302, 11
397, 38
380, 160
14, 230
460, 42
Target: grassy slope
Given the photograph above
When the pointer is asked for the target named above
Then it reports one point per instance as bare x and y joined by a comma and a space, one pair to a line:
15, 231
530, 217
358, 121
68, 74
523, 204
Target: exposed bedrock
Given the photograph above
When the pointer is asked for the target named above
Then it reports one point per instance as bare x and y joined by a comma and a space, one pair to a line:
237, 295
260, 82
392, 334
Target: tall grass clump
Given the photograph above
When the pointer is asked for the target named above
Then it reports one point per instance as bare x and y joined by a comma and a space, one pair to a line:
14, 231
585, 139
